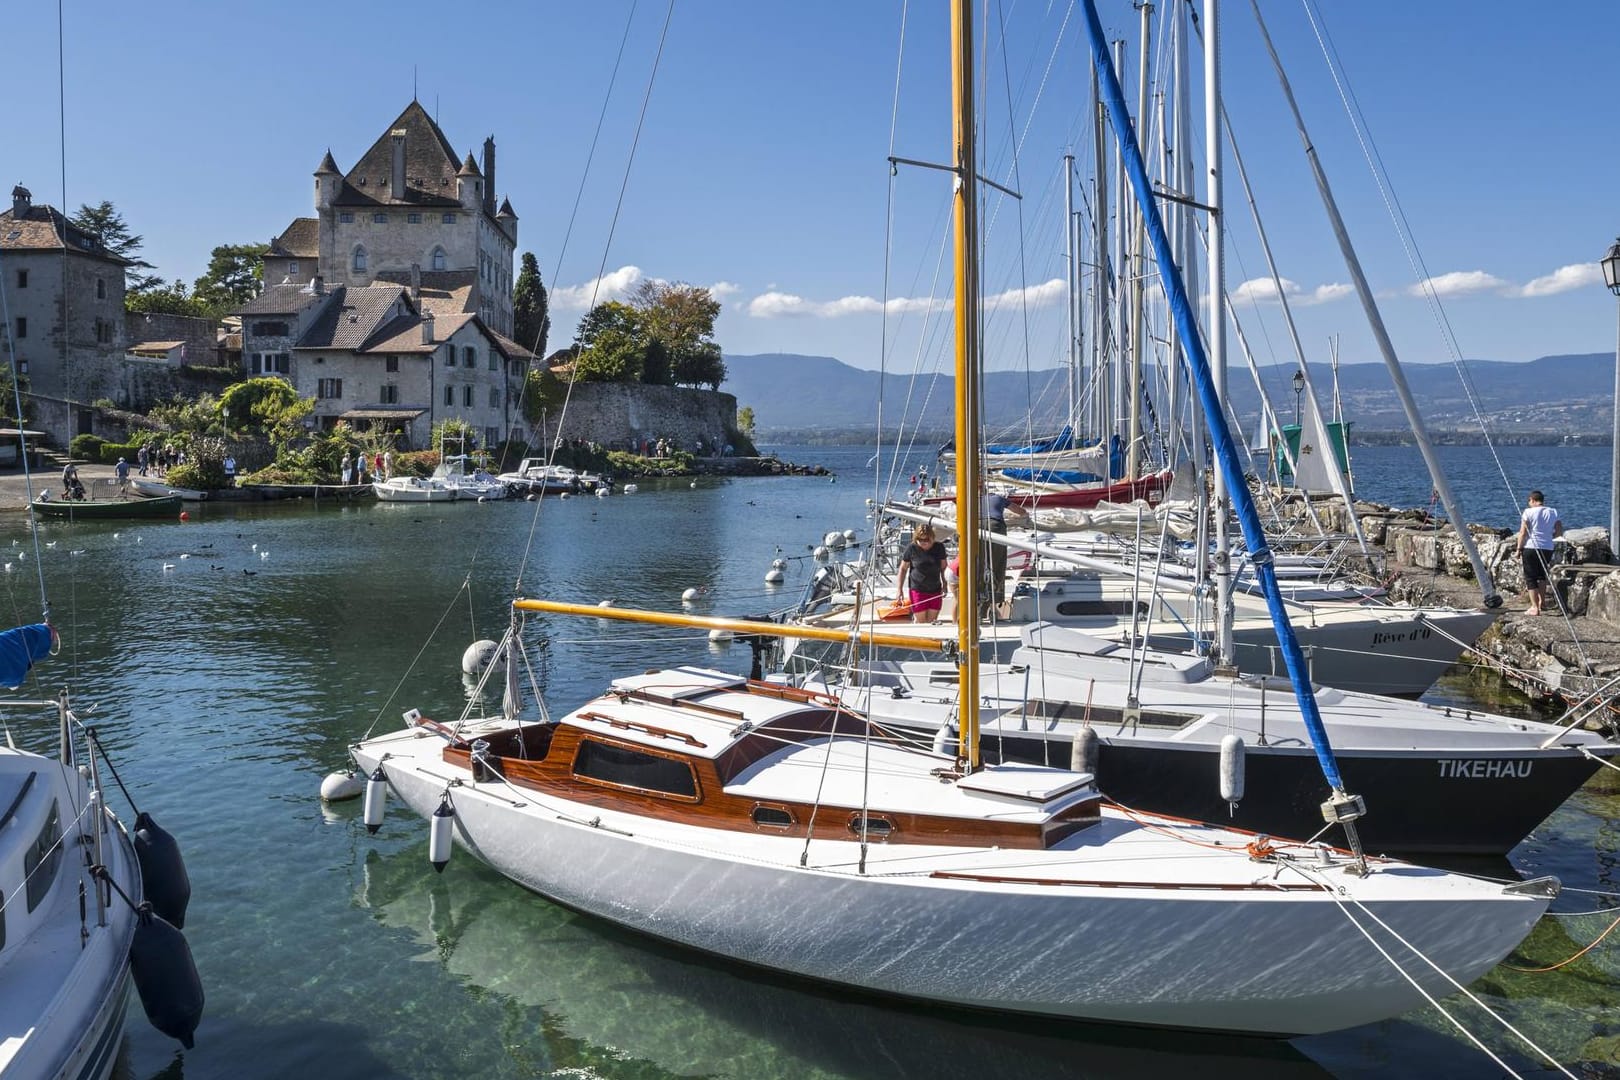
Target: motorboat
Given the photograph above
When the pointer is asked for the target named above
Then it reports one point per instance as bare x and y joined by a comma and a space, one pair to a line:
74, 934
476, 485
152, 485
106, 498
413, 489
534, 476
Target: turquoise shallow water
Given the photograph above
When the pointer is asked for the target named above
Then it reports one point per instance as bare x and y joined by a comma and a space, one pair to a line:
229, 683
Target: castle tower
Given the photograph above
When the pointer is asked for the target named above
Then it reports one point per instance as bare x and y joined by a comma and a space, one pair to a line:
470, 184
328, 178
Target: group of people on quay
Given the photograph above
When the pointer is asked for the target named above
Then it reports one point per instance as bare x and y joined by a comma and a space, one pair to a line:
357, 470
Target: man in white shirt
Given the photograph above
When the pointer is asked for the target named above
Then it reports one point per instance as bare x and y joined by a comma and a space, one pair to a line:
1539, 525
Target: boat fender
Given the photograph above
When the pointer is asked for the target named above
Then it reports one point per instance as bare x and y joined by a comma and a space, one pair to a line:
376, 799
689, 595
718, 635
1232, 768
165, 976
1086, 753
439, 835
163, 871
773, 576
480, 655
849, 536
823, 554
834, 540
342, 786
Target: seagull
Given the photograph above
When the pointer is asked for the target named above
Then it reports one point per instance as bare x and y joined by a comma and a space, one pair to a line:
77, 551
255, 547
249, 573
168, 566
184, 556
50, 543
117, 535
8, 568
264, 554
211, 566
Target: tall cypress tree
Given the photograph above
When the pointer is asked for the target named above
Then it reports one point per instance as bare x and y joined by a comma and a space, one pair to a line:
531, 316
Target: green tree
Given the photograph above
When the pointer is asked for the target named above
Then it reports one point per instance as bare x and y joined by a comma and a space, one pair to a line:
108, 228
531, 308
543, 393
234, 276
681, 317
609, 315
170, 299
268, 404
745, 420
614, 355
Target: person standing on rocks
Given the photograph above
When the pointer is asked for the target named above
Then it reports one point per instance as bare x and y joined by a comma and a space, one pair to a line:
1539, 525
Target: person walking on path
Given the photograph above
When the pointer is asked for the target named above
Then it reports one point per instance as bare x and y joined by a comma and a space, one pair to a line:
230, 471
1539, 525
347, 469
143, 457
121, 473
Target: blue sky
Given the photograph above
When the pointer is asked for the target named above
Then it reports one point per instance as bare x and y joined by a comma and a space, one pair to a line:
761, 170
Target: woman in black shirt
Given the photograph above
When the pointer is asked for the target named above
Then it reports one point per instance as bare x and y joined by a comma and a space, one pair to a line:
922, 574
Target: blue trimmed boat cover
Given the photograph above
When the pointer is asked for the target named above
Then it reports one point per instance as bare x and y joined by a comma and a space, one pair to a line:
19, 649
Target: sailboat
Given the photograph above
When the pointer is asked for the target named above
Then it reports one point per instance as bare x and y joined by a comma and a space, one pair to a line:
779, 829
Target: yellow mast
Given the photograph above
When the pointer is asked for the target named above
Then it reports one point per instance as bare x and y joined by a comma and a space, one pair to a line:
968, 487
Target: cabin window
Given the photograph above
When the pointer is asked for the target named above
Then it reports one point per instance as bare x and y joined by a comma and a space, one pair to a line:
1104, 715
1100, 607
877, 828
773, 817
42, 858
624, 767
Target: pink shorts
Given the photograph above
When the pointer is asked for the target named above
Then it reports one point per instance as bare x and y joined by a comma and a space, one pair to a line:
923, 601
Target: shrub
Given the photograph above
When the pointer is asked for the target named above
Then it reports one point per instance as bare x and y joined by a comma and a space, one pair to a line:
87, 447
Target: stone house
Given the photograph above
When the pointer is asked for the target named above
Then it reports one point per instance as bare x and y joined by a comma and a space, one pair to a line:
408, 204
65, 295
387, 356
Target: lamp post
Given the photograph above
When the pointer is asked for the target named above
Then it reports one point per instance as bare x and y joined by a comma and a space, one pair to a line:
1611, 278
1299, 389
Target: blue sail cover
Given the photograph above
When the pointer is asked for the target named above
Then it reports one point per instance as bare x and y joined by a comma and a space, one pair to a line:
1192, 344
1063, 440
1050, 476
19, 649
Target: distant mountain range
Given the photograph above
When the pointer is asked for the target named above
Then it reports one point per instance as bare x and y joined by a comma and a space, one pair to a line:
1556, 396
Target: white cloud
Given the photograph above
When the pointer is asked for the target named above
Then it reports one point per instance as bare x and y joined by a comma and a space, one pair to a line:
615, 285
722, 289
1036, 296
1459, 283
1264, 291
1565, 278
776, 304
781, 305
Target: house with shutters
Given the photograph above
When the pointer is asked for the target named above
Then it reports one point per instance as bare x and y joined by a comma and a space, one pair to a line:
387, 357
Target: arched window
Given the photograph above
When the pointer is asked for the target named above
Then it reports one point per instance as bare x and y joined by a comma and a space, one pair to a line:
359, 259
438, 258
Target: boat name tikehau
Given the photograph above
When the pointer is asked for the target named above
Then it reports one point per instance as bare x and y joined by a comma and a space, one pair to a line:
1484, 770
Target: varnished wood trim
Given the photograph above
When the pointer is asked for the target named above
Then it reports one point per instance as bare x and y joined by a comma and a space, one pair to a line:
645, 729
676, 702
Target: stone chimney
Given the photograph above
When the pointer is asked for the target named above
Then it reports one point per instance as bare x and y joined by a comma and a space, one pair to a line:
427, 327
489, 175
416, 282
21, 202
317, 285
397, 189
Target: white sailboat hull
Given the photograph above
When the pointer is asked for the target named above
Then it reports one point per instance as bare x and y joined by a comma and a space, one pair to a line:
1004, 930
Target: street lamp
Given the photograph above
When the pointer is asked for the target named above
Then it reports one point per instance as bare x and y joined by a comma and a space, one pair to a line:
1611, 278
1299, 388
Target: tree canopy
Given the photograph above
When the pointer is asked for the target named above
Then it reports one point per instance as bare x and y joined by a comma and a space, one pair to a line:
531, 307
664, 336
107, 226
234, 276
170, 299
267, 403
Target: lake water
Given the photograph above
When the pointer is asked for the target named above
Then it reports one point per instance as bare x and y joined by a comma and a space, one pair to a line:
231, 659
